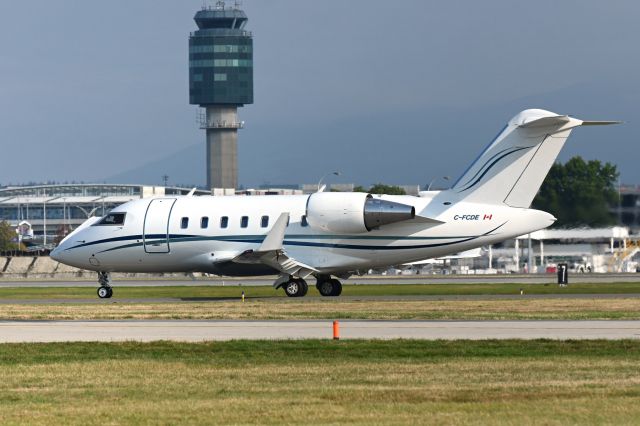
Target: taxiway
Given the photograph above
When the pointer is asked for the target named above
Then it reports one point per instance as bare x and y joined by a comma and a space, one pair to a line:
196, 331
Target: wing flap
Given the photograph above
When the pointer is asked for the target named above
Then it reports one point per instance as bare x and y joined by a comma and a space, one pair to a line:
277, 259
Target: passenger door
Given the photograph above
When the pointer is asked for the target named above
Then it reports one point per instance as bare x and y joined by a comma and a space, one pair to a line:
156, 225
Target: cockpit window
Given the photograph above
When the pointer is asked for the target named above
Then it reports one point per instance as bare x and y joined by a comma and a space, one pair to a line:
116, 219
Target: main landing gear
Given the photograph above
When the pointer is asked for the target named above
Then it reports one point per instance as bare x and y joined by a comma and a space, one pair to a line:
296, 287
328, 286
104, 291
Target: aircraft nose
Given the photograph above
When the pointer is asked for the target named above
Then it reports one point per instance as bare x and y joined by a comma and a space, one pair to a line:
56, 254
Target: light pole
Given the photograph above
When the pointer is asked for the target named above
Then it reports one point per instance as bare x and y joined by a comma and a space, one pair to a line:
435, 179
619, 202
336, 173
44, 222
64, 217
619, 199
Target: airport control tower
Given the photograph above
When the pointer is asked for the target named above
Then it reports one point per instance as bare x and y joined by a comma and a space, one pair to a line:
220, 81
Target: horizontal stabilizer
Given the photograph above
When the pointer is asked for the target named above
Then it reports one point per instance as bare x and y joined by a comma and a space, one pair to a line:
600, 123
558, 120
561, 120
512, 168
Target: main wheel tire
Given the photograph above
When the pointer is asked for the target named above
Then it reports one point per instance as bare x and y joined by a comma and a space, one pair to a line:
337, 287
104, 292
325, 287
304, 287
110, 292
292, 288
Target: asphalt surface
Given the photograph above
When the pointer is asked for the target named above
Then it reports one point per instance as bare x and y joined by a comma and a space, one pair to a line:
276, 299
367, 279
196, 331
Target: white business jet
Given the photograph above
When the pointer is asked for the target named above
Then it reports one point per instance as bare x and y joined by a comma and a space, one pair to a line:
329, 234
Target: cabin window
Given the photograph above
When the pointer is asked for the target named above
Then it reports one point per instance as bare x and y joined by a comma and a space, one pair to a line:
244, 221
116, 219
264, 222
204, 222
303, 221
184, 223
224, 222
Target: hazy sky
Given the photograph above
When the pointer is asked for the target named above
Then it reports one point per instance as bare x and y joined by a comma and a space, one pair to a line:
395, 91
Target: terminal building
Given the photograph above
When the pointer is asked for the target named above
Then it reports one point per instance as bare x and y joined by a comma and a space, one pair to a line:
628, 209
54, 210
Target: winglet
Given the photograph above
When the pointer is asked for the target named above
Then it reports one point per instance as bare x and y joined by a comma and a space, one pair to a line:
273, 240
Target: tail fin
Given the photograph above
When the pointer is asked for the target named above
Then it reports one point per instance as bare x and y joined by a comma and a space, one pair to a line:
511, 169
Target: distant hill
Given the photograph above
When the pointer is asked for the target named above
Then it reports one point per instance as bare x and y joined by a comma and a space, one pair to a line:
408, 146
184, 168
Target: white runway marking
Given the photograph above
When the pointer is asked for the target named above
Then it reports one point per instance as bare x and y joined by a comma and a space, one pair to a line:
196, 331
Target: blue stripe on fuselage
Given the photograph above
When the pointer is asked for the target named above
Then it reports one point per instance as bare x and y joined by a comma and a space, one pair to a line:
257, 239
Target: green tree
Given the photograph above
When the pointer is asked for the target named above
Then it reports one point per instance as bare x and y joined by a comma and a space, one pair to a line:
359, 188
380, 188
7, 233
579, 193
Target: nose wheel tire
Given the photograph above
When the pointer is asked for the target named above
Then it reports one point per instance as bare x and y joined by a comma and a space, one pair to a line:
296, 287
330, 287
105, 292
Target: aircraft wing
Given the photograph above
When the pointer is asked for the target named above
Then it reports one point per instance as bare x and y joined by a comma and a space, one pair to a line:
272, 253
277, 259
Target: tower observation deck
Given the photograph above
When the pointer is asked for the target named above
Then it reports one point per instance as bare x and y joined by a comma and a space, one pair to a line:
220, 81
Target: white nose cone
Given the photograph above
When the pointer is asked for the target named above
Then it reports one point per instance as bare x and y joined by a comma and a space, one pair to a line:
56, 254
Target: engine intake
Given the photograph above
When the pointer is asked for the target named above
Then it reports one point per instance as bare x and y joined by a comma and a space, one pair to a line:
353, 212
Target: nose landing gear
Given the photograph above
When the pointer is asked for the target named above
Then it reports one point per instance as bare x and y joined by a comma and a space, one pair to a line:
104, 291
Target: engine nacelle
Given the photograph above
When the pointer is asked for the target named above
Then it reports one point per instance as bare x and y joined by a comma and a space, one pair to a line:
353, 212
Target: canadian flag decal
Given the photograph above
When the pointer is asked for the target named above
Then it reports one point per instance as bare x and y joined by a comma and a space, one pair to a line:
488, 216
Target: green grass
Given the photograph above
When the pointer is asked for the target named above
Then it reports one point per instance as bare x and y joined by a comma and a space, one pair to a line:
241, 352
215, 302
349, 290
334, 308
321, 382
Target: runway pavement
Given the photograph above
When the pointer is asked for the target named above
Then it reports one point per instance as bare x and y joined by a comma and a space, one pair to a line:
195, 331
367, 279
279, 298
